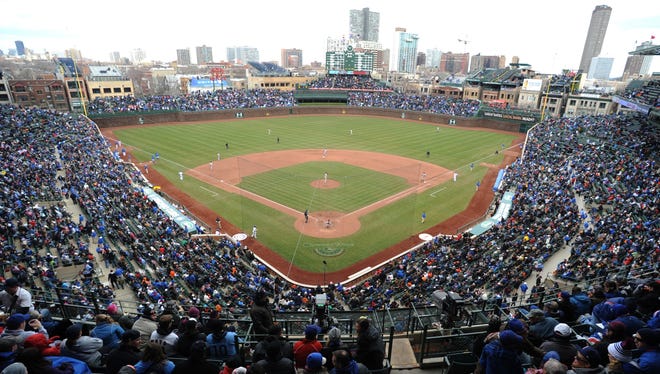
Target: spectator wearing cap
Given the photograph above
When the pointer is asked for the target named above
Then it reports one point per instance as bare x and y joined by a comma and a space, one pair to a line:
567, 310
333, 342
193, 315
616, 332
196, 362
560, 342
261, 315
586, 361
15, 326
619, 354
146, 325
15, 299
370, 347
46, 346
107, 330
529, 350
302, 348
344, 364
83, 348
647, 340
501, 355
632, 322
35, 362
164, 334
128, 352
315, 364
541, 327
274, 362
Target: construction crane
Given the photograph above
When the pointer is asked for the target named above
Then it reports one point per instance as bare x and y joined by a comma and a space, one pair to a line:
465, 42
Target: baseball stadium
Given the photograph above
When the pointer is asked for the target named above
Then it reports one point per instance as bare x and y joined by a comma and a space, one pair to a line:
427, 216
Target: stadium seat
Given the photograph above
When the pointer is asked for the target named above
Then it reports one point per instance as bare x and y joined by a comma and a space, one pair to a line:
387, 368
461, 363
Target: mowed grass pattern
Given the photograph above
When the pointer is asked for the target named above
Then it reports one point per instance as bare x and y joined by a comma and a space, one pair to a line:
292, 186
189, 145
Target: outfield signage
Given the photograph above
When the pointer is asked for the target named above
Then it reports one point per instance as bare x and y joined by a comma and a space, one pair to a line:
510, 116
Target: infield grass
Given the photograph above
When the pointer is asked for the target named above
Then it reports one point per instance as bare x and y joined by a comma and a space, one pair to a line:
185, 146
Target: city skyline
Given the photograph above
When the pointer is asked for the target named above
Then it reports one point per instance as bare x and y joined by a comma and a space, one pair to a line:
550, 38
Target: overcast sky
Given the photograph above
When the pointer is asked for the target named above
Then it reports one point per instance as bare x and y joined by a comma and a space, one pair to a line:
549, 35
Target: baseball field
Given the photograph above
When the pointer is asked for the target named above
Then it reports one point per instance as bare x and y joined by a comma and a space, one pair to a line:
365, 182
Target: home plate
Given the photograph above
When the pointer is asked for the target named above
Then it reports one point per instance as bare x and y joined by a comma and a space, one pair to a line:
424, 236
240, 236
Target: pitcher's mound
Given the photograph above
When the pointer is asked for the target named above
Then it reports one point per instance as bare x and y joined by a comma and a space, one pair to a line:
330, 183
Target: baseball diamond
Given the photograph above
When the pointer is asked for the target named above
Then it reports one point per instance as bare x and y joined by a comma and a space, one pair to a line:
421, 180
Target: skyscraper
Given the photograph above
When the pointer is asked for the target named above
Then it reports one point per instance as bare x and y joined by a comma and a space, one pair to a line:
404, 51
204, 55
364, 24
600, 18
183, 56
20, 48
242, 54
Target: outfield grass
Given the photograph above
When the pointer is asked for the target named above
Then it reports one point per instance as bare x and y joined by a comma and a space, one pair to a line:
188, 146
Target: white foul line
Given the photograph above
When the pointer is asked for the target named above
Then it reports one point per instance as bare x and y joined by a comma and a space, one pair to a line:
435, 192
209, 191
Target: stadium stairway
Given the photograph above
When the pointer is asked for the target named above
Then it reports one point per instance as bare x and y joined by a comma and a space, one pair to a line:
403, 357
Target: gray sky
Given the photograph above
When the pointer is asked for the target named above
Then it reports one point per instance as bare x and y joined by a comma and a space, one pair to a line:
539, 32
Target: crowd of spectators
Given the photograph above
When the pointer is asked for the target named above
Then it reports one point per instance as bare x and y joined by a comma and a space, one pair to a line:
648, 93
348, 82
420, 103
362, 92
193, 102
587, 182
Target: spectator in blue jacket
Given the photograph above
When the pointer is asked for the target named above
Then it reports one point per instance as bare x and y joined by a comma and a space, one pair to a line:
107, 330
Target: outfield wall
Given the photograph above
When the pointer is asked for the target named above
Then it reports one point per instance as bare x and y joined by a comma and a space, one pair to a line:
128, 119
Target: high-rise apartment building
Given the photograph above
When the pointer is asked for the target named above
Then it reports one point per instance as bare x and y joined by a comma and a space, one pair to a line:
433, 57
364, 24
183, 56
242, 55
115, 57
479, 62
404, 51
600, 18
638, 64
600, 68
138, 55
204, 55
292, 58
20, 48
454, 63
